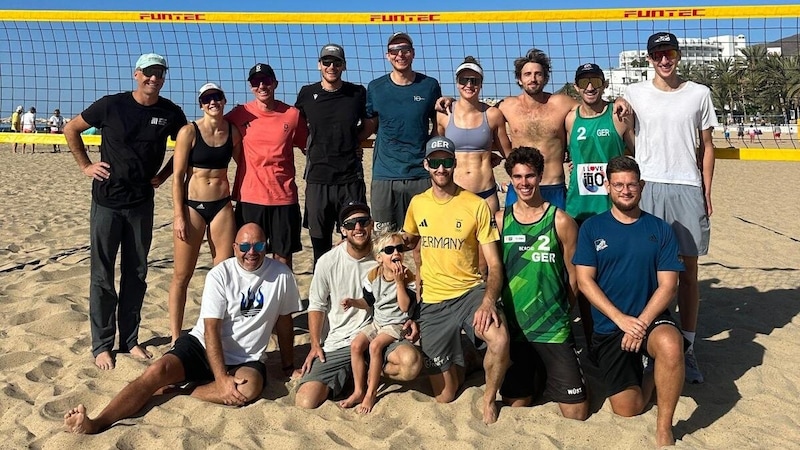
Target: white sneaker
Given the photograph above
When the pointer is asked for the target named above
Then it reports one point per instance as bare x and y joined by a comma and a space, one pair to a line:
693, 374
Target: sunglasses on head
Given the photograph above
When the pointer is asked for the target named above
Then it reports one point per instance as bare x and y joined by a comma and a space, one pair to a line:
435, 163
398, 49
214, 96
350, 224
158, 72
596, 82
336, 63
245, 247
659, 54
476, 81
389, 249
256, 82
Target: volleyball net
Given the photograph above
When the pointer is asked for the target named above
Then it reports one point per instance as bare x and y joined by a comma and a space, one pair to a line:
68, 59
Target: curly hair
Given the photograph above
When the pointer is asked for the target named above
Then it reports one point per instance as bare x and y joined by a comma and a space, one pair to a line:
534, 55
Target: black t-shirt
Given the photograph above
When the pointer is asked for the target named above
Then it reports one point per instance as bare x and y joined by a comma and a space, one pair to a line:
134, 143
334, 121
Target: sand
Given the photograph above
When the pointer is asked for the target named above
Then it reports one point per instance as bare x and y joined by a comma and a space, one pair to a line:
747, 338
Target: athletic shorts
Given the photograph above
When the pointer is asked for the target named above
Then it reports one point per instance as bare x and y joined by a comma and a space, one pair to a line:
684, 208
323, 203
619, 369
372, 331
196, 368
337, 368
440, 326
550, 369
281, 224
390, 199
556, 194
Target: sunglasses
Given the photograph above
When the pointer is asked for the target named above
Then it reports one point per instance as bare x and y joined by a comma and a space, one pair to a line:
435, 163
404, 49
464, 81
596, 82
336, 63
159, 72
351, 224
245, 247
658, 55
389, 249
214, 96
256, 82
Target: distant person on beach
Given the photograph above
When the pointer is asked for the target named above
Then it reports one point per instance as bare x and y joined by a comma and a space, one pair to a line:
676, 156
244, 299
201, 195
56, 123
265, 188
627, 265
740, 131
339, 276
29, 126
776, 132
334, 110
16, 123
400, 106
135, 130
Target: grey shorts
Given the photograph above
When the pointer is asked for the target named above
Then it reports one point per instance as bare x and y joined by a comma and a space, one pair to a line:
390, 199
440, 326
684, 208
337, 368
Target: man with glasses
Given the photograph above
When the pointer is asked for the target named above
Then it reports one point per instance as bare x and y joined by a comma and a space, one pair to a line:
675, 120
334, 111
243, 300
627, 265
400, 105
339, 275
450, 224
135, 130
265, 188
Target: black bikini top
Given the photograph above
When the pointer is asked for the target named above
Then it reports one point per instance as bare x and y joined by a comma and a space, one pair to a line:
203, 156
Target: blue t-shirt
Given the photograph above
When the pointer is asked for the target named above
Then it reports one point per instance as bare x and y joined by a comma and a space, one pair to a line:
628, 258
405, 115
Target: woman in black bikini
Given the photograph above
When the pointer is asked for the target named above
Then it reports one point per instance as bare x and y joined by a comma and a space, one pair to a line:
201, 195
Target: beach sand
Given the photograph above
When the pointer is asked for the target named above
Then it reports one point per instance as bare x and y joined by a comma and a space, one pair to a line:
747, 338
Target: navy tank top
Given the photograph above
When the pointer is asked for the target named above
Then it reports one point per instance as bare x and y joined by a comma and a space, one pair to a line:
204, 156
470, 139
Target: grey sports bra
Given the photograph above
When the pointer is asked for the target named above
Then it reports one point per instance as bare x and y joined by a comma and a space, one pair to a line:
470, 139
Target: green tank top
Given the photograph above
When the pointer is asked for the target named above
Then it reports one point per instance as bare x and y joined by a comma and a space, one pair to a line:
592, 143
535, 292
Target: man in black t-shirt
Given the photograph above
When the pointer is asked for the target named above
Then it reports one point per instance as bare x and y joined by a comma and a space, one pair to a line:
135, 130
335, 111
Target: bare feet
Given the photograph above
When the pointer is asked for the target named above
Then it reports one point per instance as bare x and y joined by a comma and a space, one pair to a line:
490, 412
139, 352
353, 400
664, 438
366, 405
76, 421
105, 361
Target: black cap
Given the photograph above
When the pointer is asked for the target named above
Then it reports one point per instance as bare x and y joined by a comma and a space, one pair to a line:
262, 68
589, 68
400, 35
662, 38
351, 207
332, 51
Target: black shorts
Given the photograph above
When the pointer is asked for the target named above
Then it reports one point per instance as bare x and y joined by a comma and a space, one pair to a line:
195, 361
281, 224
323, 203
550, 369
619, 369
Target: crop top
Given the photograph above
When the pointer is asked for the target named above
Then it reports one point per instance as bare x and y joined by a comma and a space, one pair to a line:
204, 156
470, 139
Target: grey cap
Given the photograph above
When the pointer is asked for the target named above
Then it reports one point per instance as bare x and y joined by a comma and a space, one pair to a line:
399, 35
332, 51
440, 143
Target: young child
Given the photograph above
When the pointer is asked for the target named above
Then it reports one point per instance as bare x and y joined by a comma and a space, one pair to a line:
389, 290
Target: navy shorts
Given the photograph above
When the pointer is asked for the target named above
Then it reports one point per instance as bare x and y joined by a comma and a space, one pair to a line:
195, 361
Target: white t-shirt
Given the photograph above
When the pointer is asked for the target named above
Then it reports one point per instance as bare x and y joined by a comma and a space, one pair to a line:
56, 122
249, 304
29, 121
338, 276
667, 124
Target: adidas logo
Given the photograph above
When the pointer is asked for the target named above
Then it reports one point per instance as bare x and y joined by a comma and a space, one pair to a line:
424, 223
200, 206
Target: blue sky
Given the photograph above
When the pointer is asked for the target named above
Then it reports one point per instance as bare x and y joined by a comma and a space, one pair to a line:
95, 59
